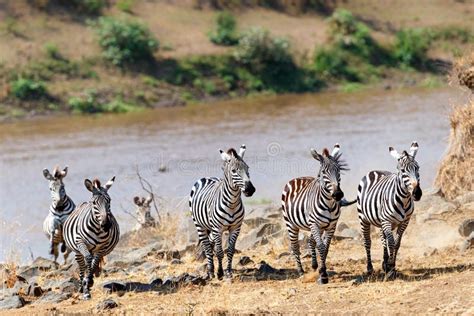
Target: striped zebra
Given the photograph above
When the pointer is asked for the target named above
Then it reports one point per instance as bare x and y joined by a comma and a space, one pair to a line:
60, 208
313, 204
92, 232
385, 200
216, 206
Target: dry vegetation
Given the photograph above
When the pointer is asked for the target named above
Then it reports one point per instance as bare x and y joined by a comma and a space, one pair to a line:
455, 174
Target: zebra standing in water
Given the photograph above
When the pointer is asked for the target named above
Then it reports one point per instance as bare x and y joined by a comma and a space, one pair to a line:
92, 232
314, 204
60, 208
216, 206
385, 200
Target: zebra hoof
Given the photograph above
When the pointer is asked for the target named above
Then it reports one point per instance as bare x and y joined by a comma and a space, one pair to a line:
86, 297
63, 248
220, 274
390, 275
210, 276
323, 280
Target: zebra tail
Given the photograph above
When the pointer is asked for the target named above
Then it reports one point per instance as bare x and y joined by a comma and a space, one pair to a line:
345, 202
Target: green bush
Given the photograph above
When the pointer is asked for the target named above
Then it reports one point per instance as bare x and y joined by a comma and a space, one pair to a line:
52, 51
225, 32
27, 89
119, 106
411, 46
86, 103
125, 5
333, 63
125, 41
90, 6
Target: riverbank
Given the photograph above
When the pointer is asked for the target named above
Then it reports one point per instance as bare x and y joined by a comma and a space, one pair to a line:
43, 72
156, 270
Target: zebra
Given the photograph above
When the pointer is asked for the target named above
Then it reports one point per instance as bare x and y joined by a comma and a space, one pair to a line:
313, 204
144, 217
216, 206
92, 232
386, 200
61, 206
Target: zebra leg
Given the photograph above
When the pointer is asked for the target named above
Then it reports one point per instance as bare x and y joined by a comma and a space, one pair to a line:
208, 250
217, 239
293, 233
387, 231
365, 227
314, 258
66, 254
385, 252
82, 269
94, 265
87, 257
316, 233
400, 230
233, 235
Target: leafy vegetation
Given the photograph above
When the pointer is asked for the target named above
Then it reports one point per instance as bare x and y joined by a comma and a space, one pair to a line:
89, 102
125, 5
125, 41
225, 32
27, 89
411, 46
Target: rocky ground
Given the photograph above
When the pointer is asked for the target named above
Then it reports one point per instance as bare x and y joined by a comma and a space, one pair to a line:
157, 270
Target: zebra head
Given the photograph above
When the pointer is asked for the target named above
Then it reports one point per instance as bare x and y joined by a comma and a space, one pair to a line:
237, 170
56, 185
100, 201
330, 171
408, 170
143, 209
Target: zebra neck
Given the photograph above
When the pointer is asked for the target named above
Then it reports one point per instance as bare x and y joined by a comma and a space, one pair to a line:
64, 204
324, 200
402, 190
230, 196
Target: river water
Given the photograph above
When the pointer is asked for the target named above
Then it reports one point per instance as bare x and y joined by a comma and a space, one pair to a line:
278, 132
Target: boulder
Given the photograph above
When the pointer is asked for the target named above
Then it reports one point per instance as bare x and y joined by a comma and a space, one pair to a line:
53, 297
348, 233
341, 226
466, 228
12, 302
114, 286
39, 265
69, 286
106, 305
245, 260
34, 290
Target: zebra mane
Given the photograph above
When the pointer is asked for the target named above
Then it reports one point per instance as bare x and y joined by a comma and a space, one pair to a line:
232, 152
341, 163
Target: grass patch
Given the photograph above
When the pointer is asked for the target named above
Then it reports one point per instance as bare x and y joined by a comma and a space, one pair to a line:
27, 89
225, 32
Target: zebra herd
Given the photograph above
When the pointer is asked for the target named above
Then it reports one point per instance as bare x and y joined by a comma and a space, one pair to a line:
384, 199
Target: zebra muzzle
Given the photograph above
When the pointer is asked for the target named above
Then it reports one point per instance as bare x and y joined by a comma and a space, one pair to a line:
417, 193
338, 195
249, 189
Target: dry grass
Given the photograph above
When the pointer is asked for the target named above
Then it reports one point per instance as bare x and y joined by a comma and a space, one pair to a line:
455, 173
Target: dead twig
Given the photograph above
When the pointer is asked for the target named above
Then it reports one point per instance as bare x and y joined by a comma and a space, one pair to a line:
129, 213
147, 187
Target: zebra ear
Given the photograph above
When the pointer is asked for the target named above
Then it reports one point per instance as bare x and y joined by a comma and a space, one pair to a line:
47, 174
89, 185
336, 149
242, 151
109, 183
225, 156
413, 149
394, 153
64, 172
315, 155
136, 200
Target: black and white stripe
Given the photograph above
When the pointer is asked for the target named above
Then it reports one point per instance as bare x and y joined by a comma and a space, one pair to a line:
216, 206
386, 200
61, 207
313, 204
92, 232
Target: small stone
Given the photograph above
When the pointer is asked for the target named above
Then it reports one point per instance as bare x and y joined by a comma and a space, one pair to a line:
106, 304
466, 228
114, 286
176, 261
283, 254
12, 302
162, 168
244, 260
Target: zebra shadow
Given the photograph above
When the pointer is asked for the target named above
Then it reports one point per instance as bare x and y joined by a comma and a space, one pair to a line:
409, 275
265, 272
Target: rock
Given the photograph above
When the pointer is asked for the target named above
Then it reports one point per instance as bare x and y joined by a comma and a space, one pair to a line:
12, 302
20, 287
468, 243
466, 228
154, 281
106, 304
348, 233
53, 297
433, 205
341, 226
39, 265
465, 198
176, 261
114, 286
183, 279
244, 260
283, 254
69, 287
34, 290
259, 236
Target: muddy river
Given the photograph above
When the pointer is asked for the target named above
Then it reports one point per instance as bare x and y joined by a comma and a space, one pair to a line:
278, 132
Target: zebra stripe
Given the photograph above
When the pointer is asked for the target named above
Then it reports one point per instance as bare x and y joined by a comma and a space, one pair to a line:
386, 200
60, 208
314, 204
216, 206
92, 232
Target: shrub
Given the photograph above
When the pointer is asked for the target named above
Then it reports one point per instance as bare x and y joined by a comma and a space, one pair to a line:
333, 63
118, 106
27, 89
52, 51
125, 5
125, 41
90, 6
411, 46
225, 32
86, 103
